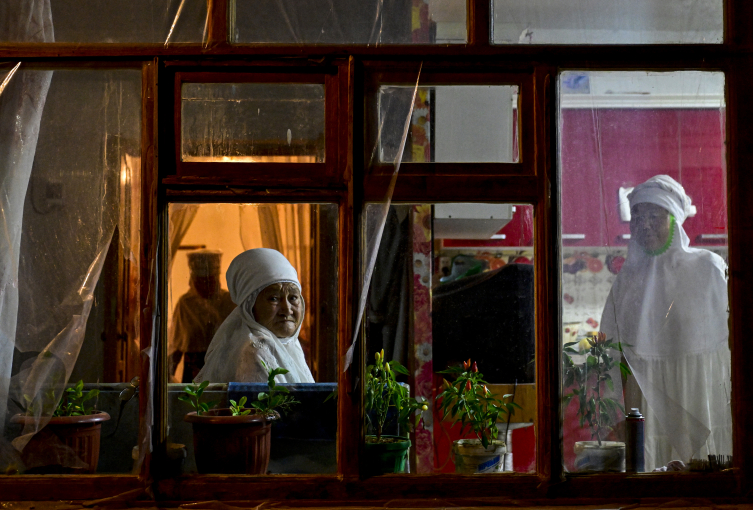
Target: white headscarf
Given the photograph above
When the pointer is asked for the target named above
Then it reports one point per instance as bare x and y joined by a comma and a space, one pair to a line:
669, 311
241, 343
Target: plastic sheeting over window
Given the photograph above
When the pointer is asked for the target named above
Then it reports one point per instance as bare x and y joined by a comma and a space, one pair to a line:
112, 21
644, 246
69, 295
348, 21
608, 21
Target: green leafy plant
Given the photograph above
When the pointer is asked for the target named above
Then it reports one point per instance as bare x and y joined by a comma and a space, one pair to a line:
468, 401
72, 403
278, 398
589, 381
383, 393
237, 409
193, 394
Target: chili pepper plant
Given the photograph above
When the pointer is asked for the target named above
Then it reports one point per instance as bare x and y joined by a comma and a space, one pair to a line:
591, 379
468, 401
384, 393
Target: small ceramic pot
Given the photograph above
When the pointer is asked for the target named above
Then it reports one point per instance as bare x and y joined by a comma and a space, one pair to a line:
471, 456
229, 444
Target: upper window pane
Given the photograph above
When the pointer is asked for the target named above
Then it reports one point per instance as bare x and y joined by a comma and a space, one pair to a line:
644, 247
608, 22
451, 123
252, 122
97, 21
348, 21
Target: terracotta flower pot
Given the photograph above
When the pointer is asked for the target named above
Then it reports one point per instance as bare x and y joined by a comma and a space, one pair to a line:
229, 444
79, 433
386, 457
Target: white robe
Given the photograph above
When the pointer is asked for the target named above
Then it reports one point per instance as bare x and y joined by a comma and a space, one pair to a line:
241, 344
670, 313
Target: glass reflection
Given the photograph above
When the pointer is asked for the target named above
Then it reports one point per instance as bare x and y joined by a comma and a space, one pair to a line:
454, 282
250, 336
644, 245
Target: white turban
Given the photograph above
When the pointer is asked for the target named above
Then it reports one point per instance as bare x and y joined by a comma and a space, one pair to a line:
253, 271
664, 191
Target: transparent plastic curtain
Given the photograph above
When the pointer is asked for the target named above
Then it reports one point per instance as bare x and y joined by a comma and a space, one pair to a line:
395, 114
192, 9
63, 222
22, 98
666, 305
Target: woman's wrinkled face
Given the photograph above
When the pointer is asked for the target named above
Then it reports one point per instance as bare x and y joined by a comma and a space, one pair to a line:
649, 225
279, 308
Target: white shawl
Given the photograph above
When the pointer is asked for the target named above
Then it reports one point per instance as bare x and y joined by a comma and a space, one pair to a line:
241, 343
670, 313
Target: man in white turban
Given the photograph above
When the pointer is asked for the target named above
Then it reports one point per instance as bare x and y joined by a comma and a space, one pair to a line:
265, 325
668, 308
198, 314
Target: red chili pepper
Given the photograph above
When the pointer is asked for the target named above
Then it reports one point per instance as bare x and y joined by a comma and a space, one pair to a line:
468, 386
475, 367
465, 365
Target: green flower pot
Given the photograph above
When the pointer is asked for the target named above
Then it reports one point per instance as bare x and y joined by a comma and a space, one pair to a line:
386, 457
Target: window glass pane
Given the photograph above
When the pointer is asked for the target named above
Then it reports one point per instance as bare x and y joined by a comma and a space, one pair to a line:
252, 288
452, 282
97, 21
252, 122
348, 21
608, 21
452, 124
70, 175
644, 244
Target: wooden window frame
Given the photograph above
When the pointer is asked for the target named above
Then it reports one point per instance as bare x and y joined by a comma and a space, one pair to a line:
352, 188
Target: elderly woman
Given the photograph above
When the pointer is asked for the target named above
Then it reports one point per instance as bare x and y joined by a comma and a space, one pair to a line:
265, 325
668, 308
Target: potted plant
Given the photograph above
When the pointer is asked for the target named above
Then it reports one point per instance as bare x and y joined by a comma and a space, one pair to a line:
388, 402
236, 439
74, 422
590, 381
469, 402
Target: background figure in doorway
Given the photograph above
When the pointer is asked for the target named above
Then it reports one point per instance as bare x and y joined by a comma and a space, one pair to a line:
668, 308
198, 314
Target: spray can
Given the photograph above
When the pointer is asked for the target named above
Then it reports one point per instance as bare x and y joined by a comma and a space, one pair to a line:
634, 450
